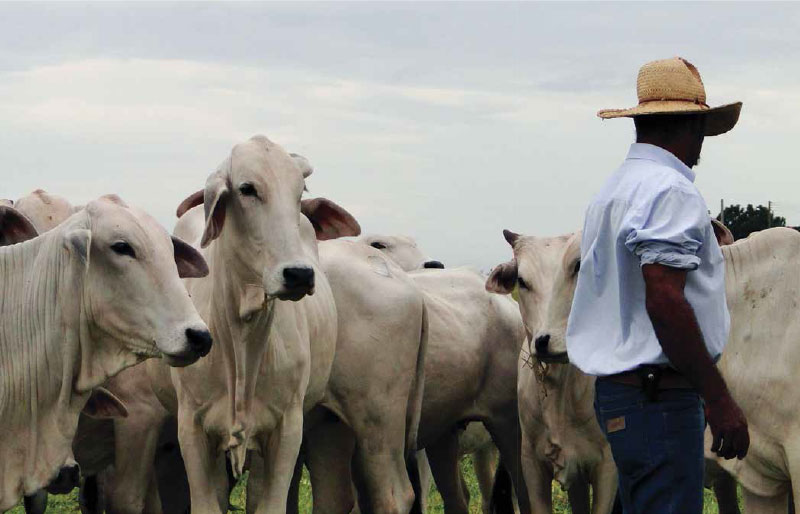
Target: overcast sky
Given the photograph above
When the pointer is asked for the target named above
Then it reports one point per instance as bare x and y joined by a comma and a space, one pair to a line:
447, 122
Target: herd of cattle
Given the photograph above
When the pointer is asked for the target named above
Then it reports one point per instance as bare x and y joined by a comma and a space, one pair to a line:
360, 359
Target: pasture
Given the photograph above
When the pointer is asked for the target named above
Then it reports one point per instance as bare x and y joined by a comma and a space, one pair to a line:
68, 503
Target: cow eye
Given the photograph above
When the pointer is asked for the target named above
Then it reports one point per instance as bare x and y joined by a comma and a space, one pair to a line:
522, 283
247, 189
123, 248
379, 246
577, 267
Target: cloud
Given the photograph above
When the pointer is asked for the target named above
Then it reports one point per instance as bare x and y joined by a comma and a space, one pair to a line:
447, 122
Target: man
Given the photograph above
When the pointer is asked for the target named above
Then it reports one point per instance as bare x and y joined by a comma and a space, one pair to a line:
649, 317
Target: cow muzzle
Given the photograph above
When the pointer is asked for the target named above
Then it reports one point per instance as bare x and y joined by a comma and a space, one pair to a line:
296, 282
544, 353
198, 343
67, 479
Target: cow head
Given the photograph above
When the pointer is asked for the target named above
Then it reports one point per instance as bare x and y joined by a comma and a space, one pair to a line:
45, 210
253, 203
128, 271
403, 251
545, 272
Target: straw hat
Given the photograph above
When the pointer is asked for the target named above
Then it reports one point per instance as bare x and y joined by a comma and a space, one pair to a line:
673, 86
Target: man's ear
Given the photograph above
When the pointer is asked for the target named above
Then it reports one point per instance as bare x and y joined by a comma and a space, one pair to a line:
15, 227
102, 404
193, 200
503, 278
78, 242
329, 220
189, 261
215, 200
721, 232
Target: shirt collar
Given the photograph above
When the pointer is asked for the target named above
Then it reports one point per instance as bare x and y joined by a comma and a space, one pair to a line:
657, 154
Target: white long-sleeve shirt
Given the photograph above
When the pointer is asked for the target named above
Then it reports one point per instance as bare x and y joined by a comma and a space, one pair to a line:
648, 211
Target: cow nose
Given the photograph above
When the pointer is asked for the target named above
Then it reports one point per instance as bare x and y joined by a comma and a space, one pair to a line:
68, 478
542, 343
199, 341
433, 265
298, 278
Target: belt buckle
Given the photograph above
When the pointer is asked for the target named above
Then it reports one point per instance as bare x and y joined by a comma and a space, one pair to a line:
650, 377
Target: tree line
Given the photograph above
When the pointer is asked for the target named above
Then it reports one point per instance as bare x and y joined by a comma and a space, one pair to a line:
742, 221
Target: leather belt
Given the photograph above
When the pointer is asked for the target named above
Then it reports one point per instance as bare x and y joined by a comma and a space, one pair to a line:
669, 379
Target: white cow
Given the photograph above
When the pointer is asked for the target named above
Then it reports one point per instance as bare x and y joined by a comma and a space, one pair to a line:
760, 364
403, 250
560, 437
470, 365
475, 440
80, 303
762, 288
272, 314
46, 211
375, 388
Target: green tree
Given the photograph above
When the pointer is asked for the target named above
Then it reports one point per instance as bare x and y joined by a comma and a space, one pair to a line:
743, 221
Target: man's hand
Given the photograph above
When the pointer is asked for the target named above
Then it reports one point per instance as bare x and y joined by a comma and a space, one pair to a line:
729, 428
680, 337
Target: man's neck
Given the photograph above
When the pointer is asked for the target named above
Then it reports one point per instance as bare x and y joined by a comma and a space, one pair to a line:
677, 150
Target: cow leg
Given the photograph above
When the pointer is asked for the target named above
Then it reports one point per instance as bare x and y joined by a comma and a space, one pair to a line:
754, 504
538, 479
443, 459
483, 461
725, 493
135, 449
425, 478
152, 503
604, 485
506, 436
36, 503
293, 499
379, 469
579, 497
267, 488
91, 495
329, 450
205, 467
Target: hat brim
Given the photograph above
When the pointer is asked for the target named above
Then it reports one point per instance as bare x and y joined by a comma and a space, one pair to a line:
718, 119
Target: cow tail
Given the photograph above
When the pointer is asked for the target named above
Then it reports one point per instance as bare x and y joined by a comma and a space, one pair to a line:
413, 414
502, 500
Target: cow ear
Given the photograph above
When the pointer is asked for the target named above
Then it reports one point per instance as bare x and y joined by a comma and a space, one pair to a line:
329, 220
503, 278
78, 242
721, 232
189, 261
511, 237
15, 227
303, 164
102, 404
191, 201
215, 200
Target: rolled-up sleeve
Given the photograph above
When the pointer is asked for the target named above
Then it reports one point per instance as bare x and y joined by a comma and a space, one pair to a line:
669, 230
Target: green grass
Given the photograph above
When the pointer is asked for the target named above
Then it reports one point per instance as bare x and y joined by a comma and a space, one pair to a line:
68, 503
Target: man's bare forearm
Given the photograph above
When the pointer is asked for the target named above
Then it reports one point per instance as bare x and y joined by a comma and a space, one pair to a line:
679, 334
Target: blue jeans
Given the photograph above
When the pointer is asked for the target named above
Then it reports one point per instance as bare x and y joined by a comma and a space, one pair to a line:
657, 446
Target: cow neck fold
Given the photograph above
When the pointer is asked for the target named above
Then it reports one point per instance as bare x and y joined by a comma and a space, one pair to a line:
39, 354
565, 408
242, 343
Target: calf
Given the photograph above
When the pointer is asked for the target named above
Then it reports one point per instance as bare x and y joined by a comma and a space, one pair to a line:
561, 439
475, 440
82, 302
